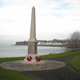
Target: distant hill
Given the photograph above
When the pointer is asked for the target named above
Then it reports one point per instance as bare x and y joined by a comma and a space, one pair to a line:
42, 41
21, 43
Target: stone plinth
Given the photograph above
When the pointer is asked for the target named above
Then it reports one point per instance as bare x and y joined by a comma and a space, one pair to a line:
33, 61
32, 47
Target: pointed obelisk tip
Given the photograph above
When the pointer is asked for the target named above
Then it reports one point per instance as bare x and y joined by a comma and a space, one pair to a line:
33, 7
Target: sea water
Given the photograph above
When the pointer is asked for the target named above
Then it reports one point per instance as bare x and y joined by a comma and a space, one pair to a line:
21, 51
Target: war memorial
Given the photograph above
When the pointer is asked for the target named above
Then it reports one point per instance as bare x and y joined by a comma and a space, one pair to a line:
32, 61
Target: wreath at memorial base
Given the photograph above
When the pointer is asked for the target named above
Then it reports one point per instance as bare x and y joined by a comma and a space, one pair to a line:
37, 58
29, 58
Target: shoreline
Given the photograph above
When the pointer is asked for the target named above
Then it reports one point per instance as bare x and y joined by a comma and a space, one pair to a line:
43, 45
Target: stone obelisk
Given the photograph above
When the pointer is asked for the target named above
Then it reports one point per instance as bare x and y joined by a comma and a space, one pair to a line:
32, 42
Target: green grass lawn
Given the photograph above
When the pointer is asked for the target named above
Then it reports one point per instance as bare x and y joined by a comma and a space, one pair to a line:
58, 55
74, 63
13, 75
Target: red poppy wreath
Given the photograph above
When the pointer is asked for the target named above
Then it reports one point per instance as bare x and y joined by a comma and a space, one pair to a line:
29, 58
37, 58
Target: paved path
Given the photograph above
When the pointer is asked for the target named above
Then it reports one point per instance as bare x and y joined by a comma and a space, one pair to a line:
64, 73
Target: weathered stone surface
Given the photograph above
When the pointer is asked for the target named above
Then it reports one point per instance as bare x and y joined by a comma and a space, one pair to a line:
32, 48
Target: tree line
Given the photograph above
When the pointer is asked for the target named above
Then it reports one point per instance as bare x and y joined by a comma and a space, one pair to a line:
21, 43
73, 42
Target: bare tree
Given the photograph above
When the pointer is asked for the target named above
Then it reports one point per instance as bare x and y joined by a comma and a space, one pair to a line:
73, 42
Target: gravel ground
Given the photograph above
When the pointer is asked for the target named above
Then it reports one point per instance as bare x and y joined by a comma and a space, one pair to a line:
19, 65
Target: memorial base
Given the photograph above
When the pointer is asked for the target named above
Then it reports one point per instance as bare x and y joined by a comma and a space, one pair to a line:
33, 60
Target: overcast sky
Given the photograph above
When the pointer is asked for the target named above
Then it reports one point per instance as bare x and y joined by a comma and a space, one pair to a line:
54, 19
